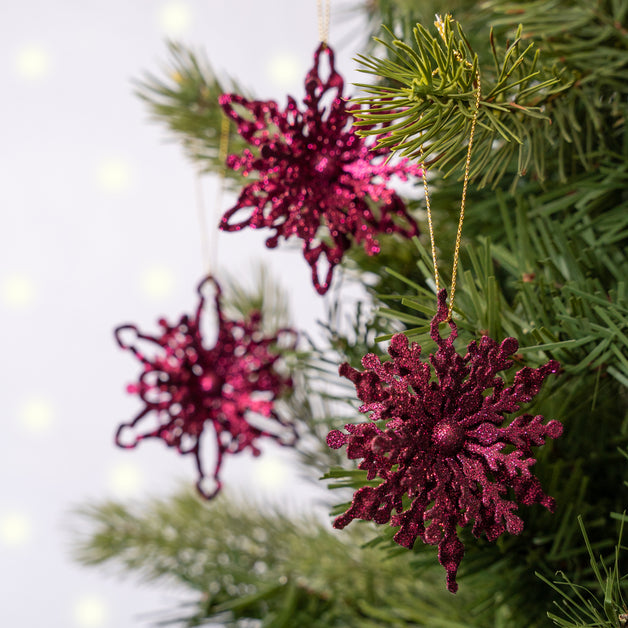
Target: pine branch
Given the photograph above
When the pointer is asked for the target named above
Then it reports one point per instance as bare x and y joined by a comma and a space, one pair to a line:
264, 294
580, 606
590, 41
584, 44
561, 292
186, 101
426, 104
250, 563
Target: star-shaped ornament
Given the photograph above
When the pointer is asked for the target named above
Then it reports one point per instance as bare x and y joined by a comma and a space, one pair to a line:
187, 388
315, 178
444, 450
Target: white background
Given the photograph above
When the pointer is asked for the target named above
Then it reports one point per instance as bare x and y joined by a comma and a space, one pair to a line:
99, 227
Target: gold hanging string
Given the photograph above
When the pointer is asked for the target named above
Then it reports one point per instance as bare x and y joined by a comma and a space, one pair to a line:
209, 236
323, 10
440, 25
429, 222
463, 200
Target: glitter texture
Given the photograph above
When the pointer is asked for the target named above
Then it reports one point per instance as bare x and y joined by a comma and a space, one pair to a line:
441, 445
316, 179
186, 387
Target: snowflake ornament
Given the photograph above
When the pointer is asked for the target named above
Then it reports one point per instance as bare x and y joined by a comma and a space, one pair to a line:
317, 180
186, 387
445, 444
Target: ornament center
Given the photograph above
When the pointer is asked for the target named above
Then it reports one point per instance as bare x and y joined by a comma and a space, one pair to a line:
448, 437
325, 166
211, 383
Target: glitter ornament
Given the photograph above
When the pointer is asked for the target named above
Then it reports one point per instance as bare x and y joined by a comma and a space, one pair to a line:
317, 179
186, 387
442, 442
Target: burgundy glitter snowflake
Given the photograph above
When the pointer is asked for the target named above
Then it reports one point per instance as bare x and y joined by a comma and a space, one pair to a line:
442, 443
186, 387
317, 180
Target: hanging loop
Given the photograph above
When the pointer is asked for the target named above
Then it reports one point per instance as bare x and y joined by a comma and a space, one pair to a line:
465, 185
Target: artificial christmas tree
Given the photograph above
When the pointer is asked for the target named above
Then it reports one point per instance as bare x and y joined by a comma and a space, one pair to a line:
542, 260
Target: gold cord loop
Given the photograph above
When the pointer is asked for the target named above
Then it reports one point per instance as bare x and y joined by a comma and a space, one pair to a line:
465, 185
463, 200
429, 222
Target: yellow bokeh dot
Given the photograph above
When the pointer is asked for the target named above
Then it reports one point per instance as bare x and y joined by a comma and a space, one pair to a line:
157, 282
113, 174
90, 612
36, 415
284, 69
175, 18
125, 479
15, 529
18, 291
32, 62
270, 472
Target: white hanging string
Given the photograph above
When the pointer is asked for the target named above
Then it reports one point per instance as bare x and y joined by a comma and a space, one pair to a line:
209, 232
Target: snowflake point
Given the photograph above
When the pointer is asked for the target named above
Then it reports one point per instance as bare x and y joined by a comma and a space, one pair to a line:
336, 439
509, 346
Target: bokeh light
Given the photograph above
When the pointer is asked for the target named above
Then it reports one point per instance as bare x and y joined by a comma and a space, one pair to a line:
90, 612
32, 62
17, 291
113, 174
36, 415
175, 18
15, 529
270, 471
125, 479
157, 282
284, 70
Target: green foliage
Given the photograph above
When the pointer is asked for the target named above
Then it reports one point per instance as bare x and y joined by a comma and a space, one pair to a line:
580, 607
590, 41
562, 293
247, 561
543, 260
582, 44
263, 294
186, 101
427, 102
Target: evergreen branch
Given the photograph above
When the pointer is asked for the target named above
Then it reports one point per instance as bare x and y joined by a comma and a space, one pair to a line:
323, 397
582, 607
589, 40
564, 312
426, 103
265, 296
259, 564
186, 101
